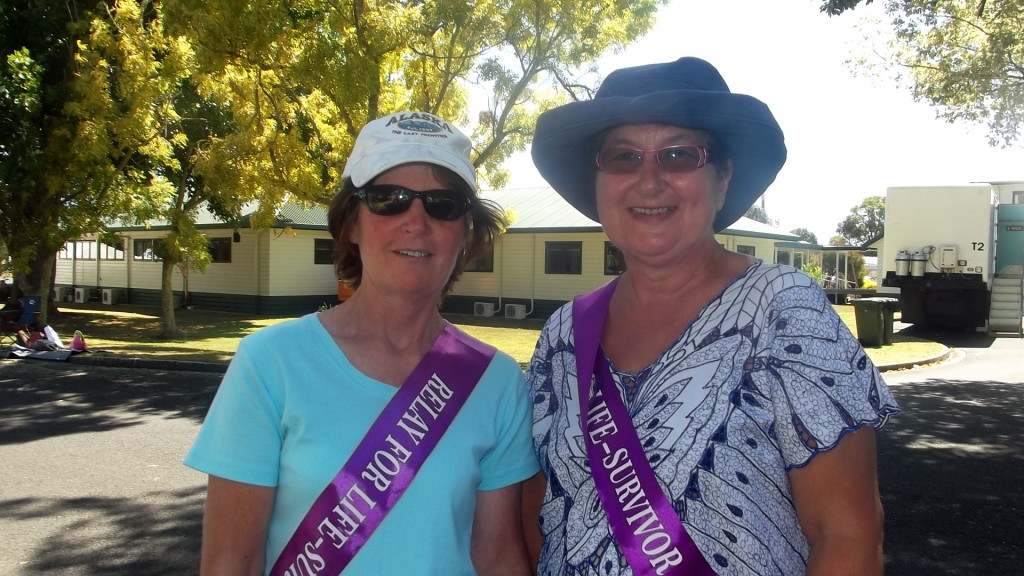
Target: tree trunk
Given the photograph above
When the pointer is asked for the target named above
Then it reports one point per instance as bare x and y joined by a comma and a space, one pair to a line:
37, 281
169, 326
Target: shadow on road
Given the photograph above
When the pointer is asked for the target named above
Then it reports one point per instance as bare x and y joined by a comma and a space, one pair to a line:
65, 512
52, 399
950, 469
154, 535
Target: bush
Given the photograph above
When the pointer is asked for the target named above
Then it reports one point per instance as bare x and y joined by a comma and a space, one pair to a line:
813, 269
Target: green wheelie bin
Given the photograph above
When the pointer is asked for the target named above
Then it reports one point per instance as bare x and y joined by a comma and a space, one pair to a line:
870, 321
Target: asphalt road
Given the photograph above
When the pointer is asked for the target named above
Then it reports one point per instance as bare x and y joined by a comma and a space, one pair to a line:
951, 467
91, 481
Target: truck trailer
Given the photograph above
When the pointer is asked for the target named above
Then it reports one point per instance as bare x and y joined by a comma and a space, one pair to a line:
954, 255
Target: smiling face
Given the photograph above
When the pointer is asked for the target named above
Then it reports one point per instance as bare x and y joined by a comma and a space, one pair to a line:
656, 215
410, 253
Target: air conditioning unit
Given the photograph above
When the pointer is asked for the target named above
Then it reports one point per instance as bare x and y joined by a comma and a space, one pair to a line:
517, 311
62, 294
483, 309
109, 296
82, 295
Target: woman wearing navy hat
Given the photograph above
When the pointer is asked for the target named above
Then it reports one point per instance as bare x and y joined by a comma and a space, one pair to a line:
705, 412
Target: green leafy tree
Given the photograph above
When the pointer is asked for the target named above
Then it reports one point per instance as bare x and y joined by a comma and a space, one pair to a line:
759, 214
135, 78
301, 80
813, 269
73, 143
298, 82
865, 221
147, 109
805, 235
965, 57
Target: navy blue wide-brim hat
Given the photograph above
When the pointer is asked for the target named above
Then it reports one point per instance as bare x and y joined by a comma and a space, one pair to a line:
689, 93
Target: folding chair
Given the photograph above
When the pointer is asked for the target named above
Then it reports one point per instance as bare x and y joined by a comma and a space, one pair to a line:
14, 321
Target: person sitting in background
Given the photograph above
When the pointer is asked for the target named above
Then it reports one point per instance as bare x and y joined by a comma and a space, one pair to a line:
705, 412
371, 389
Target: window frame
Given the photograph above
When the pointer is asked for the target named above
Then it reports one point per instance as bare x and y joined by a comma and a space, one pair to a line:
218, 246
568, 253
111, 252
147, 244
484, 262
319, 251
614, 261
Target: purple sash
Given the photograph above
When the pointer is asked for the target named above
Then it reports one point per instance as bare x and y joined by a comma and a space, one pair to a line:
645, 524
387, 459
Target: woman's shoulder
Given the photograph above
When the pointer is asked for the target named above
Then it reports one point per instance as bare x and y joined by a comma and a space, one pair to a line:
766, 285
766, 281
287, 333
779, 273
501, 360
559, 323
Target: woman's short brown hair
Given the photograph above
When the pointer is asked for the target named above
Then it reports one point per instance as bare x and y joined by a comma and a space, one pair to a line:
487, 221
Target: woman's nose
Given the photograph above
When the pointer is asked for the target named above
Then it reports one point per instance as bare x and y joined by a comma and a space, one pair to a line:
416, 215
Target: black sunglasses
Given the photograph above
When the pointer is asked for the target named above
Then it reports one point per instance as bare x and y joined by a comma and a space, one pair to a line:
388, 200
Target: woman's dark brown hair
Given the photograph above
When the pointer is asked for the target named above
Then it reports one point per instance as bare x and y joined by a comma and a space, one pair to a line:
486, 221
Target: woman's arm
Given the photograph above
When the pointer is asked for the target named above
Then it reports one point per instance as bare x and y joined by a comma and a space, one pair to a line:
497, 546
533, 499
235, 528
840, 511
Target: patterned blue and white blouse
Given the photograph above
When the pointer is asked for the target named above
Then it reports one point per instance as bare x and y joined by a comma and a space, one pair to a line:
766, 377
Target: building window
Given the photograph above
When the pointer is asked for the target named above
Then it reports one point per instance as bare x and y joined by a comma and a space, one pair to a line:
782, 257
748, 250
563, 257
1018, 196
85, 250
66, 252
614, 263
146, 249
112, 249
798, 260
323, 251
484, 261
220, 250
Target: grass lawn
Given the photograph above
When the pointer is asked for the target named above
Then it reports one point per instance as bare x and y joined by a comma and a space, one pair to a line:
213, 336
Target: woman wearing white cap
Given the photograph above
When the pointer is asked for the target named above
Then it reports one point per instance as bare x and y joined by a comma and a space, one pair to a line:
705, 412
374, 437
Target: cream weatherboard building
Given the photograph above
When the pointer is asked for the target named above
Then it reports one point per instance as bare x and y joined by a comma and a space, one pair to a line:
550, 254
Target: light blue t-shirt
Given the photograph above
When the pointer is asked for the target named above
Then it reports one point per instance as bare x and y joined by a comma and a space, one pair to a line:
290, 411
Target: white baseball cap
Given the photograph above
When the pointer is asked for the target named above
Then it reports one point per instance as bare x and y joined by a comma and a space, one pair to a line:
405, 137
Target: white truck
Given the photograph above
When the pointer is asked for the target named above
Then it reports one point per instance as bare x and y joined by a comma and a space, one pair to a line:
954, 255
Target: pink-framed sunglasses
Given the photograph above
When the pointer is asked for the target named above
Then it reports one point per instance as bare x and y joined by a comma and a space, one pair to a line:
625, 160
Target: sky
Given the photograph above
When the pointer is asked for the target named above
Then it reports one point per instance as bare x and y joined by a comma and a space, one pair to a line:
849, 135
